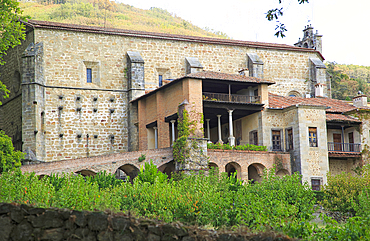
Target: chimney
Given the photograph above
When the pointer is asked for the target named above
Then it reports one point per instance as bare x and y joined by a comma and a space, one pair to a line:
319, 90
360, 100
244, 72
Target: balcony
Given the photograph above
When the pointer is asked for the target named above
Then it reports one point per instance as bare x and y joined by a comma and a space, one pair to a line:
344, 147
218, 97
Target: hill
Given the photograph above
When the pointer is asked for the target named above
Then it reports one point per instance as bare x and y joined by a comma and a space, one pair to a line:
347, 80
105, 13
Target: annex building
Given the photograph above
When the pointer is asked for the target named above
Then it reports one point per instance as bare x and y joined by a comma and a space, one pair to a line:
97, 93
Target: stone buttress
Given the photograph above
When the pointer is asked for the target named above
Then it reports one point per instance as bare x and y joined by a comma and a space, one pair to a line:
33, 102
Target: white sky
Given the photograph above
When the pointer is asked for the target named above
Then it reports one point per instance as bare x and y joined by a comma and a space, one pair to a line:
344, 24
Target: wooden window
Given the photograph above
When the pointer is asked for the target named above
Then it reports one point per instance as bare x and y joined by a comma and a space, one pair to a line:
276, 140
88, 75
160, 77
316, 184
312, 135
253, 138
289, 139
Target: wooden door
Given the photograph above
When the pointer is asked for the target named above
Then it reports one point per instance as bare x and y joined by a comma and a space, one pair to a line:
337, 139
351, 141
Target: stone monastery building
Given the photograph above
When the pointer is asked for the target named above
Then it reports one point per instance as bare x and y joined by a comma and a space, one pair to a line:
84, 99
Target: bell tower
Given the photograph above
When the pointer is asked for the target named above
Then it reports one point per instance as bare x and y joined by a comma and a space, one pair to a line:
310, 39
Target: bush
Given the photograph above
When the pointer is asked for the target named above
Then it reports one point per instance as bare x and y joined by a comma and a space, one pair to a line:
9, 159
247, 147
150, 174
342, 191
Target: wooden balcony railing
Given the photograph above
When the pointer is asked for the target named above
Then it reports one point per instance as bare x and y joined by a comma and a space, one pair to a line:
344, 147
231, 98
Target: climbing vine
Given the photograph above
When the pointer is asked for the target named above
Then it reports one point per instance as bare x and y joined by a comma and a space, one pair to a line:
181, 149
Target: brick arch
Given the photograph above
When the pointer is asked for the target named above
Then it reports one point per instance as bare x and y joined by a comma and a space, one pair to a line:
86, 172
168, 168
131, 170
234, 167
255, 171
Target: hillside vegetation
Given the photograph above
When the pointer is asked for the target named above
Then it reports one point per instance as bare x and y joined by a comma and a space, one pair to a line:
347, 80
109, 14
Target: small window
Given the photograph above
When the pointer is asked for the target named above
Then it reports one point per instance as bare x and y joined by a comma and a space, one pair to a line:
253, 138
160, 77
316, 184
88, 75
255, 93
289, 139
312, 135
276, 140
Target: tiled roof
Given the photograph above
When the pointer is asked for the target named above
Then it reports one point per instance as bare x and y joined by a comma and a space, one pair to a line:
133, 33
340, 117
333, 105
223, 76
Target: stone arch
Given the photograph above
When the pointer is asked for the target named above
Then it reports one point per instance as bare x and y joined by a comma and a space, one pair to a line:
41, 176
168, 168
282, 172
86, 172
294, 93
129, 170
212, 165
232, 167
255, 172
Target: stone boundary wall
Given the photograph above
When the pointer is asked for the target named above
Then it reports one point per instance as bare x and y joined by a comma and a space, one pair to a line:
109, 163
22, 222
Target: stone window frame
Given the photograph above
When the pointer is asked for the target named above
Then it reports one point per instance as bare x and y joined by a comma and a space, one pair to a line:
280, 139
95, 72
312, 139
289, 142
318, 183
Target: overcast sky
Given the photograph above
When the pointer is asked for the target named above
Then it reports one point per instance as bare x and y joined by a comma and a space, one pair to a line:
344, 24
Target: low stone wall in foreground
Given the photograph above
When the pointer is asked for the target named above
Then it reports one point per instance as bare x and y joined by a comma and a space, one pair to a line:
23, 223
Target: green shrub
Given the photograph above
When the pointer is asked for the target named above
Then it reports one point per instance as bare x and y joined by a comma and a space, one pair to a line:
150, 174
247, 147
319, 195
342, 192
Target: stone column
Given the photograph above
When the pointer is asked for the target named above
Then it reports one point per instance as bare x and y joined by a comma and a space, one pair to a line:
231, 136
219, 130
156, 137
173, 131
208, 131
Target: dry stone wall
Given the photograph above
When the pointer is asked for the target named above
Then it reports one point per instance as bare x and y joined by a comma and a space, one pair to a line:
21, 222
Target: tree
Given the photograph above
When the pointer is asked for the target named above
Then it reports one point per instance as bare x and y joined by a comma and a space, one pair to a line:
11, 32
9, 159
274, 14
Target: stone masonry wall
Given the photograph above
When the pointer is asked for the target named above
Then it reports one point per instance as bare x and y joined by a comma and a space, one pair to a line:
22, 222
67, 55
11, 109
98, 116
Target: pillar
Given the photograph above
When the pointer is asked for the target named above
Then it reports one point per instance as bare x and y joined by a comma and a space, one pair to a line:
231, 136
219, 130
208, 131
173, 131
156, 137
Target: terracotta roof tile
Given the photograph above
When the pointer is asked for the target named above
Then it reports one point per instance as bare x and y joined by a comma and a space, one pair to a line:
334, 105
114, 31
232, 77
340, 117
